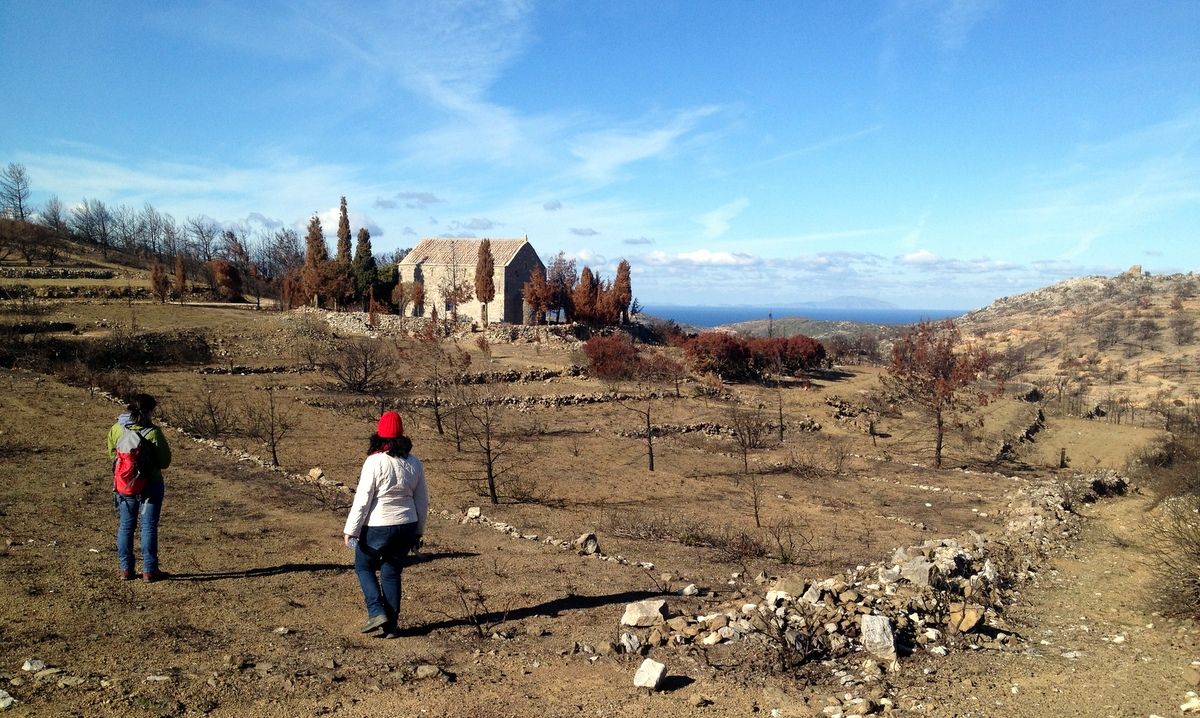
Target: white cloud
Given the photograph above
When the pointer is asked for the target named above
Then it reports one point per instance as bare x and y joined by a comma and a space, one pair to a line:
704, 257
921, 257
716, 222
603, 153
587, 257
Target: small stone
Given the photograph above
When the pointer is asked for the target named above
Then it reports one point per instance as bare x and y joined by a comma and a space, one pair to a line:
158, 679
425, 671
1191, 675
6, 701
690, 590
587, 544
474, 512
71, 682
630, 643
33, 665
877, 636
650, 674
315, 473
46, 673
282, 630
700, 701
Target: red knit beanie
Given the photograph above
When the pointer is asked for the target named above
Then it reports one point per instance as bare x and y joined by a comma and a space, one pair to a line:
390, 425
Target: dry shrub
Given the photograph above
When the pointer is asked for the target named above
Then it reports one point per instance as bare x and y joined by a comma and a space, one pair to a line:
795, 542
362, 365
207, 414
1175, 557
826, 458
731, 544
1172, 470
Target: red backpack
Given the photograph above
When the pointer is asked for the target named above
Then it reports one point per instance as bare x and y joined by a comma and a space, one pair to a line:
135, 456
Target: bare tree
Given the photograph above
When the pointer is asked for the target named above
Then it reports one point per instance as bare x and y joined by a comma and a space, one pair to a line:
91, 221
749, 430
437, 365
362, 365
14, 192
401, 295
488, 439
203, 233
269, 423
127, 228
454, 286
54, 216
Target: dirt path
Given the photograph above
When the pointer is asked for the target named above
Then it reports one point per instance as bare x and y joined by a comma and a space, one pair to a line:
1094, 646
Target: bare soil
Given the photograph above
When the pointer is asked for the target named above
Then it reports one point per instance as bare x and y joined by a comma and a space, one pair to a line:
260, 614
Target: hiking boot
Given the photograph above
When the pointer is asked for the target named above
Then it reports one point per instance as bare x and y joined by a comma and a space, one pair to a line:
373, 623
127, 575
152, 576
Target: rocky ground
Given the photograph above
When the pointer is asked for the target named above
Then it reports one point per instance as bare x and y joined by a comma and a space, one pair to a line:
260, 613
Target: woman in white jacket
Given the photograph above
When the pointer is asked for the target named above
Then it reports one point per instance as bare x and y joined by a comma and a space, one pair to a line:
386, 520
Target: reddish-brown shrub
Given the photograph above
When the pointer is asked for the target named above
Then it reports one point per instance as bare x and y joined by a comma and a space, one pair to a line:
226, 279
719, 353
612, 357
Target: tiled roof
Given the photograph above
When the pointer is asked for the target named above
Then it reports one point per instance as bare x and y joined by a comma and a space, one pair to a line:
446, 251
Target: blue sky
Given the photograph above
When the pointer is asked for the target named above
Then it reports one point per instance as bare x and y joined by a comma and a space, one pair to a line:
930, 154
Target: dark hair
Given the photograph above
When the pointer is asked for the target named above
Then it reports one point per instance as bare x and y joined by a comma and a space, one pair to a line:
399, 446
140, 407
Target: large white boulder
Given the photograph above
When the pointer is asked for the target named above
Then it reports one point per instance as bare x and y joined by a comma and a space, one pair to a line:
644, 613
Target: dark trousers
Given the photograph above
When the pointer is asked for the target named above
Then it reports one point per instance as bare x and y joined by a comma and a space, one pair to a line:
378, 562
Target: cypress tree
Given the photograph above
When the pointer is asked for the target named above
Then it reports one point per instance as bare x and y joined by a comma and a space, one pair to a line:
316, 256
343, 234
485, 285
363, 268
622, 290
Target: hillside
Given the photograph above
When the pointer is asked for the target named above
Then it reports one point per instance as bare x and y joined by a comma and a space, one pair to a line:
1128, 342
816, 328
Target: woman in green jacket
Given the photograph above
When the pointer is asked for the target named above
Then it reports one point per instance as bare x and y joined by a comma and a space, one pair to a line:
147, 504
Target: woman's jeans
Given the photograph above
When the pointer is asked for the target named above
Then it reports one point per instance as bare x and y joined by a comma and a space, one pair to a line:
382, 549
147, 507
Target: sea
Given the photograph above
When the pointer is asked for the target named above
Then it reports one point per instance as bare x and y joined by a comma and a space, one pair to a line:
705, 317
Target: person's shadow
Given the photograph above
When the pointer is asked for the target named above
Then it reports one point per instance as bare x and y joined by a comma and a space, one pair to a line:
486, 620
302, 568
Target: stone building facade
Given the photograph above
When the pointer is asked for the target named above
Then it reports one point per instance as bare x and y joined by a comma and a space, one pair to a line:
440, 263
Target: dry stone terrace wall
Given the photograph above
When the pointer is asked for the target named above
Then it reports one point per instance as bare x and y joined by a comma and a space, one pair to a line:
391, 324
715, 430
54, 273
